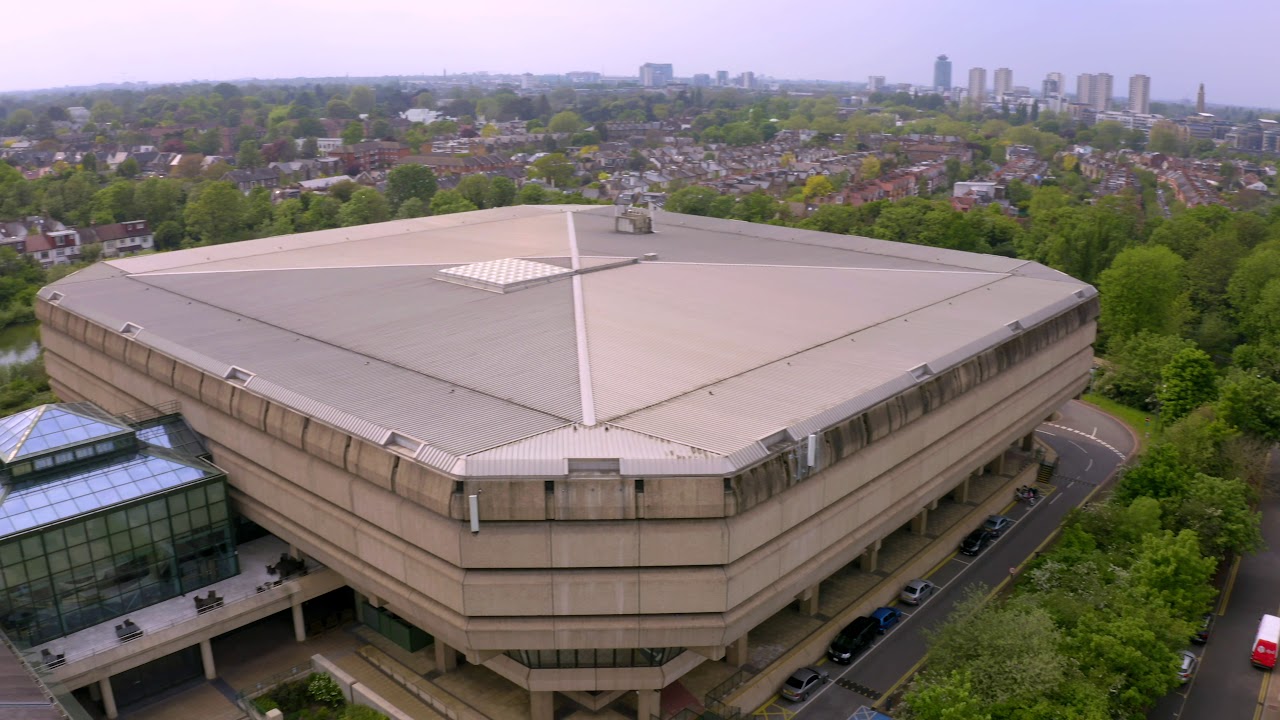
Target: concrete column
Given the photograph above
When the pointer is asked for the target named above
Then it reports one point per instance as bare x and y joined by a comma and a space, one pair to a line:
648, 704
299, 626
108, 698
997, 465
932, 506
542, 705
446, 657
737, 652
920, 523
960, 493
870, 559
206, 658
809, 600
1028, 442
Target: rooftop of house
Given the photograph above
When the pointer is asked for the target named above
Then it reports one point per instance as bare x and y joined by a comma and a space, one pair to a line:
508, 341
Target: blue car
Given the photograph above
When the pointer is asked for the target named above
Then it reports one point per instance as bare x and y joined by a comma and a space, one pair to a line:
887, 617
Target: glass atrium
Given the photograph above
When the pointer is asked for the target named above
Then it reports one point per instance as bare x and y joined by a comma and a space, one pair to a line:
99, 518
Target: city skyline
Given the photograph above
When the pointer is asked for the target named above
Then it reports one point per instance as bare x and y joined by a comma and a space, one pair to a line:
512, 44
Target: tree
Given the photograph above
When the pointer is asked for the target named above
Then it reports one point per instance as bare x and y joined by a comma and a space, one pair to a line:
339, 109
566, 121
1134, 373
692, 200
475, 188
322, 213
945, 697
1221, 514
410, 181
310, 148
114, 203
249, 156
450, 201
531, 194
1251, 404
502, 192
553, 167
365, 206
1144, 289
128, 169
361, 99
818, 186
214, 214
353, 133
870, 168
412, 208
1188, 381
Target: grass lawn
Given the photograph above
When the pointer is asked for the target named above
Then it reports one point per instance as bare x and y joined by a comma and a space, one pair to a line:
1133, 417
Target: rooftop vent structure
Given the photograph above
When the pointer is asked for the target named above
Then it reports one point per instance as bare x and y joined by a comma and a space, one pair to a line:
633, 221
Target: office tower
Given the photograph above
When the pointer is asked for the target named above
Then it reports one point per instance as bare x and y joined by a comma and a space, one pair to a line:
875, 83
722, 78
1200, 99
1054, 84
656, 74
942, 73
978, 86
702, 80
1003, 82
1140, 94
1084, 88
748, 80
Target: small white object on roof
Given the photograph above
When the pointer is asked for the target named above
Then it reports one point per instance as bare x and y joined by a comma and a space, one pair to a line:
502, 276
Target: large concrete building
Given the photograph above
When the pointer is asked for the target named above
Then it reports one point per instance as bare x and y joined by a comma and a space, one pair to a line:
1140, 94
1003, 82
978, 86
942, 73
583, 455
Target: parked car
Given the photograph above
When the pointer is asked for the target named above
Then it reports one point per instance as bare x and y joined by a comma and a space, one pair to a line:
802, 683
1188, 667
856, 637
917, 591
887, 617
977, 541
997, 524
1202, 635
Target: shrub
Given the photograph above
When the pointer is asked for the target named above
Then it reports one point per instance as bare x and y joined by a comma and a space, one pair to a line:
361, 712
323, 689
265, 704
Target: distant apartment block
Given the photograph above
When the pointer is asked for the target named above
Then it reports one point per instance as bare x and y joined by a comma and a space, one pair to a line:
656, 74
875, 83
583, 77
722, 78
1140, 94
1003, 82
1094, 90
978, 86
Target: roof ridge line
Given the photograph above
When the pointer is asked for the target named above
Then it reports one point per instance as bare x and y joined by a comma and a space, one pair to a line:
585, 387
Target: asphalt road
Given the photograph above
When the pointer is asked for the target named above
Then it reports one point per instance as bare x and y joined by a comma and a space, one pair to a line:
1091, 445
1226, 685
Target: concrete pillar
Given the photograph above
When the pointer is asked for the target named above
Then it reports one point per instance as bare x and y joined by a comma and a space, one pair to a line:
648, 704
932, 506
809, 600
446, 657
299, 626
870, 559
920, 523
108, 698
737, 652
542, 705
997, 465
1028, 442
960, 493
206, 658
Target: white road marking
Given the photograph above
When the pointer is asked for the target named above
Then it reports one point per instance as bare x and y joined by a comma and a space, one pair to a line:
1046, 432
1090, 465
1094, 434
1081, 433
1054, 499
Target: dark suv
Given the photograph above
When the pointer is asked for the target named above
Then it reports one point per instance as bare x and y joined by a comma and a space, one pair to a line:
856, 637
977, 541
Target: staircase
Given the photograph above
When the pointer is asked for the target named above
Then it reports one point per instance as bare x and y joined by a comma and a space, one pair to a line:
1046, 472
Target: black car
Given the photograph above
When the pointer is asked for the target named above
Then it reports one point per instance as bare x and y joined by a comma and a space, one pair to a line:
856, 637
1202, 633
977, 541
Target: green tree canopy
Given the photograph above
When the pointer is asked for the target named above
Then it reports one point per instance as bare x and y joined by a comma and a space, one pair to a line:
1144, 289
553, 167
450, 201
214, 215
365, 206
410, 181
566, 121
1187, 382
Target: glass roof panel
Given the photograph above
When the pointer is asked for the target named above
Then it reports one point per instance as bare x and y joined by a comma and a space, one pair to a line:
54, 426
60, 496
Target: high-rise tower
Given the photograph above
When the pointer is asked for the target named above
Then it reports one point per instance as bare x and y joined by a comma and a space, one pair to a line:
942, 73
1200, 99
1140, 94
1003, 82
978, 86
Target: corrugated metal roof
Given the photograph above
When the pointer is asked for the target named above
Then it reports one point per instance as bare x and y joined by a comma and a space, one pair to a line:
647, 346
737, 332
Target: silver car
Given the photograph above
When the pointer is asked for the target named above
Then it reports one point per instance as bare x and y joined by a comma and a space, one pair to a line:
917, 591
802, 683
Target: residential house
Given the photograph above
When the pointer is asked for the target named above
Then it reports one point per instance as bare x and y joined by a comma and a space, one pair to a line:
120, 239
246, 180
372, 155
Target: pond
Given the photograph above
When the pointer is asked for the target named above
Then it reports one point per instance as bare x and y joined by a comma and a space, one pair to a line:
19, 343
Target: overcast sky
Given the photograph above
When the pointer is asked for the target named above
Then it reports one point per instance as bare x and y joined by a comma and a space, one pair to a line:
1226, 44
